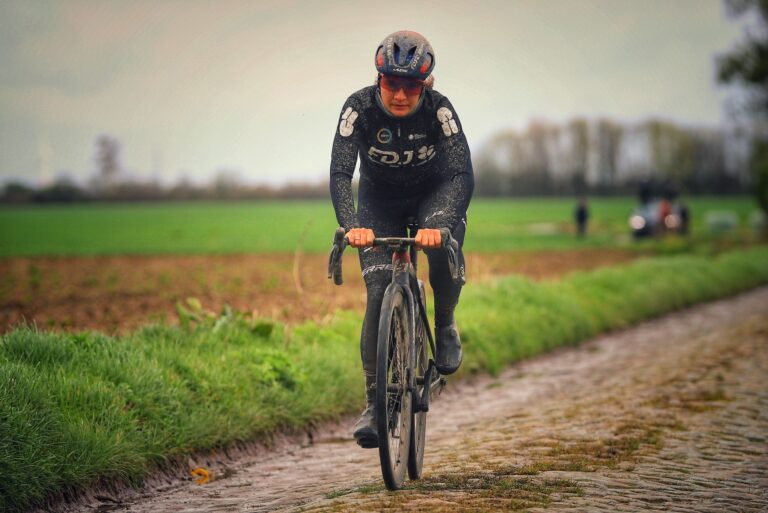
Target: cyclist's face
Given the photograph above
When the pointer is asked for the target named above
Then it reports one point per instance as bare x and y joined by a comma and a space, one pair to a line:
400, 95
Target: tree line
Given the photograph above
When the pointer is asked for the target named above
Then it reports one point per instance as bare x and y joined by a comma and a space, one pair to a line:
64, 190
608, 157
111, 183
578, 157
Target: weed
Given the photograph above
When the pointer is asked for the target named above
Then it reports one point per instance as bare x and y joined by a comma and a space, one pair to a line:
269, 284
34, 277
338, 493
91, 281
113, 279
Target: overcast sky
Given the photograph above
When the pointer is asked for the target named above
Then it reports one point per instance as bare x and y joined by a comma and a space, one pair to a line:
192, 87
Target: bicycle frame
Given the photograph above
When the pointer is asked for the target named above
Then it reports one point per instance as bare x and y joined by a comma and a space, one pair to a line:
404, 260
419, 378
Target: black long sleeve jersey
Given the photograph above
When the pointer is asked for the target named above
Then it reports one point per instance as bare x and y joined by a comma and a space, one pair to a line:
401, 157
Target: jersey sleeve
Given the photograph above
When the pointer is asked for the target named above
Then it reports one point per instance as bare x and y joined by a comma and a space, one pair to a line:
343, 161
455, 163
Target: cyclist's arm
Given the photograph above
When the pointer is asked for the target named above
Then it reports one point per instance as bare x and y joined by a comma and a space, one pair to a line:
343, 160
456, 168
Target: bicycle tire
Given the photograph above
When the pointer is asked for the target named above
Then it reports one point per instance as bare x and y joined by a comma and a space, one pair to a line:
394, 367
419, 422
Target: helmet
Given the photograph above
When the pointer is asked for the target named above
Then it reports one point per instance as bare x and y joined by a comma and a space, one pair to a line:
405, 54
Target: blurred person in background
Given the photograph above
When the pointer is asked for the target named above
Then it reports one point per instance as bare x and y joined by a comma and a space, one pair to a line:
414, 162
685, 218
581, 216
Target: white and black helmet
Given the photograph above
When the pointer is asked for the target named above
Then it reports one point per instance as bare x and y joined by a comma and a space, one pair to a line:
405, 54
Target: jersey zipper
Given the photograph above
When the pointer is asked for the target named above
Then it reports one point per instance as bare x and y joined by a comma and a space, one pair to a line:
399, 144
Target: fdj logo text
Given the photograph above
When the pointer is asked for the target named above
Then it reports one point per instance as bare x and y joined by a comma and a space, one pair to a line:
395, 159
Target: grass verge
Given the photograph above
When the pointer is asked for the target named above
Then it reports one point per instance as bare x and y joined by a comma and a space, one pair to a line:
75, 409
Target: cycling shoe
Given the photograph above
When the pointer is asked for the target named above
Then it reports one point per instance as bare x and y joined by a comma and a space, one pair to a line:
449, 354
365, 432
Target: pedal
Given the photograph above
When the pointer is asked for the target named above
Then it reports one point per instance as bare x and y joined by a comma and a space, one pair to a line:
442, 383
421, 403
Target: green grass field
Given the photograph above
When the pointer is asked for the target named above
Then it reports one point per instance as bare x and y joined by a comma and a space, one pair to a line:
261, 227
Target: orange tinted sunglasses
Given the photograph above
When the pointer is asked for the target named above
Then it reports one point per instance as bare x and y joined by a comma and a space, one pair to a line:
411, 86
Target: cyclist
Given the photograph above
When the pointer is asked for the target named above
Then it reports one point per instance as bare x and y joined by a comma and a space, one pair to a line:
414, 162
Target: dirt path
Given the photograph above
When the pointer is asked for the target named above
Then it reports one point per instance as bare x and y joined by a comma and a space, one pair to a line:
669, 416
122, 293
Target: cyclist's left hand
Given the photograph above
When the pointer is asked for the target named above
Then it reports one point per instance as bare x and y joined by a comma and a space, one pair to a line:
427, 238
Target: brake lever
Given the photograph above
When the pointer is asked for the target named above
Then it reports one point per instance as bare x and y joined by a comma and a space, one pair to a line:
334, 258
451, 246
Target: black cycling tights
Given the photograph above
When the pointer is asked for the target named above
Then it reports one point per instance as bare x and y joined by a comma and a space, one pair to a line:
388, 218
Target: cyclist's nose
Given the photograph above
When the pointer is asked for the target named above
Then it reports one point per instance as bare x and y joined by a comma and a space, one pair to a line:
400, 94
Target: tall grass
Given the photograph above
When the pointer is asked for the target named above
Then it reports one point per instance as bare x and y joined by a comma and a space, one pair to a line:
78, 408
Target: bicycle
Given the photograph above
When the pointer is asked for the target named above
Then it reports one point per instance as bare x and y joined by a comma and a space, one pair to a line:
405, 375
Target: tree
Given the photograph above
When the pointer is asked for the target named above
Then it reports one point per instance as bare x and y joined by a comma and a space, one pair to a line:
107, 161
605, 146
226, 183
760, 172
63, 190
16, 192
672, 151
579, 154
747, 65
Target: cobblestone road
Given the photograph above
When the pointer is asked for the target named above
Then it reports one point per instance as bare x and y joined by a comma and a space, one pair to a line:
669, 416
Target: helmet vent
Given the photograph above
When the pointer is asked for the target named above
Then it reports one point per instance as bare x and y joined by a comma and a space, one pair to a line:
409, 57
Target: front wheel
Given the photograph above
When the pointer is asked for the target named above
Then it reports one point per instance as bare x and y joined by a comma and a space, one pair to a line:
394, 384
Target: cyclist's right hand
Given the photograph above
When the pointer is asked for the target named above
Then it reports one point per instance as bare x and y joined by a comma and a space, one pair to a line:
360, 237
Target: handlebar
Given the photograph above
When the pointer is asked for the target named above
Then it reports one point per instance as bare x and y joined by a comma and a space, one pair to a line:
448, 243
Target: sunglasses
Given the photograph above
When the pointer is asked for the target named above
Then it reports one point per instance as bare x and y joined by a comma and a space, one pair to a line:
411, 86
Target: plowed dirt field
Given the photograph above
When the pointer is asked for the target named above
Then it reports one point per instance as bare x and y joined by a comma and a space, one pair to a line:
121, 293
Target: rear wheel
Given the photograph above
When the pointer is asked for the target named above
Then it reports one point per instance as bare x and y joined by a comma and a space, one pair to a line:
394, 364
419, 423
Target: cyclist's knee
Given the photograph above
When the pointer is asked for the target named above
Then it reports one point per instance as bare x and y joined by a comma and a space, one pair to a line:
375, 284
